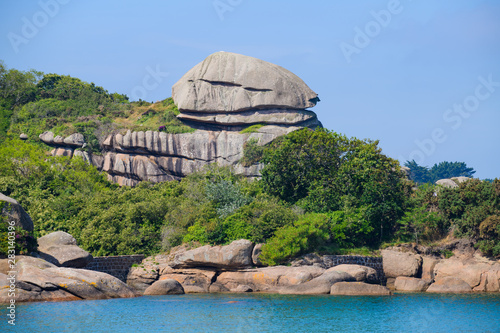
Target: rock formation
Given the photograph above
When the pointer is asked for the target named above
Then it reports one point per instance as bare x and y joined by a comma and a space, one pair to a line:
219, 97
60, 249
231, 91
11, 209
39, 280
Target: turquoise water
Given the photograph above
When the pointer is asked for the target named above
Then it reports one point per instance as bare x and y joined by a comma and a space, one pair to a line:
264, 313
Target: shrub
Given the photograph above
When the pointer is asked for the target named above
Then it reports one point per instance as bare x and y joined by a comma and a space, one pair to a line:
309, 232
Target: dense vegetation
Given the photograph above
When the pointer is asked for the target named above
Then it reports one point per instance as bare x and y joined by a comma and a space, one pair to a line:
320, 191
421, 174
32, 102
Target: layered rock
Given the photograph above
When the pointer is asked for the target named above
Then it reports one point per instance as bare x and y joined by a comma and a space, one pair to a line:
60, 249
219, 97
231, 91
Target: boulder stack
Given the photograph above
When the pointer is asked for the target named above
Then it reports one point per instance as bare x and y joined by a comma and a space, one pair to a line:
231, 91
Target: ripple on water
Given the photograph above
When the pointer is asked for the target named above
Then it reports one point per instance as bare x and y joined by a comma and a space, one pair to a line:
265, 313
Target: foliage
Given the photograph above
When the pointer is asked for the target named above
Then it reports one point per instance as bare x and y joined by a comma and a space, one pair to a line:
252, 129
308, 233
443, 170
252, 152
316, 169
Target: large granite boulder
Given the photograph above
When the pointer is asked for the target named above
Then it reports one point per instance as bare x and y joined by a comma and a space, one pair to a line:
404, 283
13, 211
238, 254
449, 284
60, 248
359, 289
319, 285
230, 82
39, 280
398, 263
165, 287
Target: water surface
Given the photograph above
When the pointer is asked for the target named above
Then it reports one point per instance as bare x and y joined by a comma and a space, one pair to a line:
264, 313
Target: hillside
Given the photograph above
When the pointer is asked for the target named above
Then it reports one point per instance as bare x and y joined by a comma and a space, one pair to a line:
319, 192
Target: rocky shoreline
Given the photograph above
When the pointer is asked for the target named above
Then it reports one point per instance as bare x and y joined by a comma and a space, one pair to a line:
235, 268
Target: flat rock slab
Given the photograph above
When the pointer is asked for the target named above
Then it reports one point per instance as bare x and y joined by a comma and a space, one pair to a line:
359, 289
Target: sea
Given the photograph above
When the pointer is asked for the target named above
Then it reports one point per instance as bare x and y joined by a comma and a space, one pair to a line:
255, 312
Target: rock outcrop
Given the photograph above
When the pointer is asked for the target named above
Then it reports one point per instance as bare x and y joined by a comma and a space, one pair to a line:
39, 280
219, 97
11, 209
60, 249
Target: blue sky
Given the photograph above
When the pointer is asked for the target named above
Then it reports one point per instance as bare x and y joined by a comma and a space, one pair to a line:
423, 77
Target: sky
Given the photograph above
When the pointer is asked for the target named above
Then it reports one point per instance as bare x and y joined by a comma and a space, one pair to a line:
421, 76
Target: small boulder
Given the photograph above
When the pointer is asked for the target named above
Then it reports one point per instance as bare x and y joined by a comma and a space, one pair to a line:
449, 284
359, 289
60, 249
397, 263
447, 183
165, 287
23, 136
359, 273
47, 137
11, 209
75, 140
404, 283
